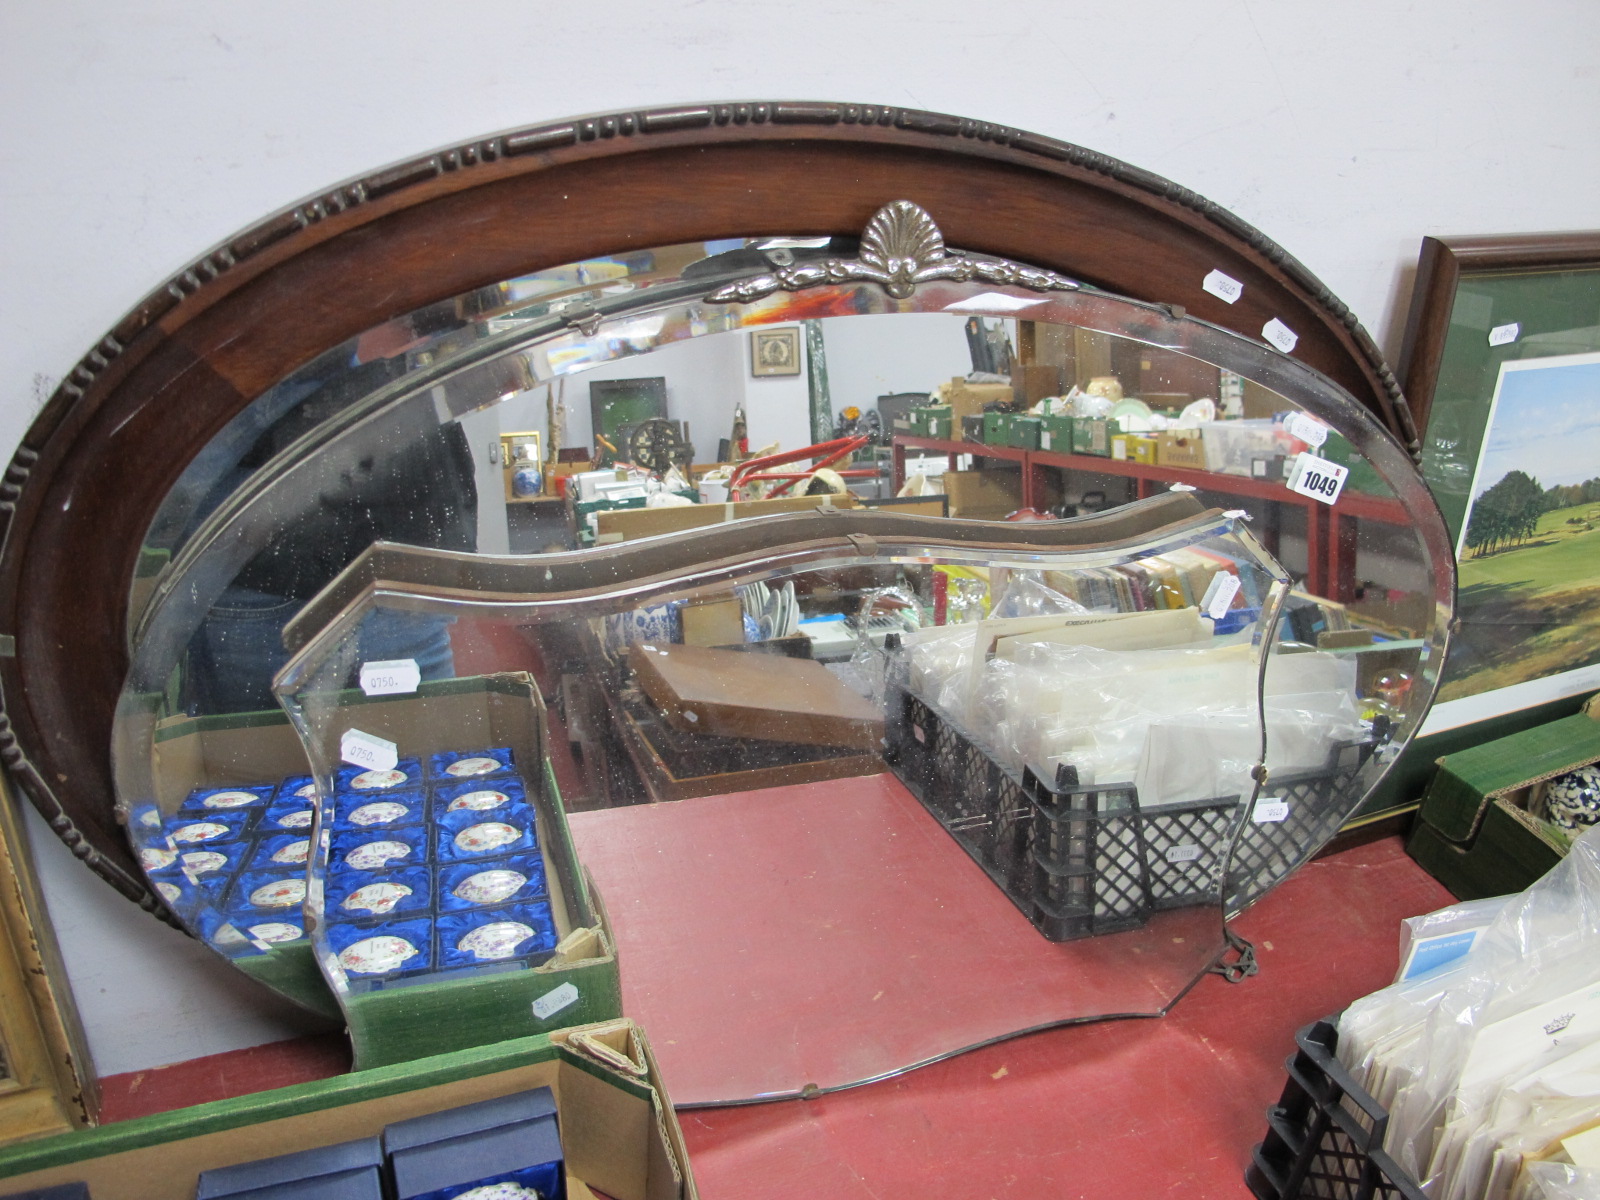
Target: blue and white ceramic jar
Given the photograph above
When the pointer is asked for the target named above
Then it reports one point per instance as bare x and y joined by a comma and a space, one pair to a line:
1572, 801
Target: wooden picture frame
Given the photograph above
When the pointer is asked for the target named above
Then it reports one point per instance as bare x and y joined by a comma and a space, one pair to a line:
1485, 308
201, 347
775, 351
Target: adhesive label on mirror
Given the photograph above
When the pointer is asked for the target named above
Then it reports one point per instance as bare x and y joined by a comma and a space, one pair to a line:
1307, 428
390, 677
1183, 854
552, 1002
1280, 335
1224, 587
1223, 287
368, 750
1269, 810
1317, 477
1504, 335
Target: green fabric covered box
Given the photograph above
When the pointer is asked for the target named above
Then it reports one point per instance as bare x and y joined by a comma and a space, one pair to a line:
1023, 433
1092, 435
1474, 832
1055, 433
997, 428
618, 1130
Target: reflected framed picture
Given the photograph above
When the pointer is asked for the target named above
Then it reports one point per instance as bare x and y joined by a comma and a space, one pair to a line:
1501, 365
775, 351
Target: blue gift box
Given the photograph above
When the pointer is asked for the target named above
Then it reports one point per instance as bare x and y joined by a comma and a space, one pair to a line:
224, 934
361, 781
266, 896
387, 810
418, 933
297, 789
189, 830
352, 896
61, 1191
379, 851
461, 888
227, 799
494, 796
288, 816
467, 836
159, 860
465, 764
455, 928
182, 896
535, 1104
272, 931
281, 852
347, 1171
527, 1154
207, 864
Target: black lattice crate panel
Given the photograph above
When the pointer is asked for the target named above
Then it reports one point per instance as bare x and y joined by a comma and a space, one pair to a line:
1185, 845
1318, 800
910, 730
1325, 1135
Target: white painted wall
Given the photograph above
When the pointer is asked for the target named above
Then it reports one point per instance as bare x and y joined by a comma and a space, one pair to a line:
136, 135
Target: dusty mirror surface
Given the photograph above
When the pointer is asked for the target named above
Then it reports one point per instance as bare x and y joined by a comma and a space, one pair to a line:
894, 759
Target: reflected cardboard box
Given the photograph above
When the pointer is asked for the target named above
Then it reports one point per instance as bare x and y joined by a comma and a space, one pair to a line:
984, 495
1180, 448
967, 399
618, 1132
626, 525
432, 1011
1476, 831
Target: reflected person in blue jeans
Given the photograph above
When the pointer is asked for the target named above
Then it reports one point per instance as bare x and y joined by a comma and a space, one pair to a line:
418, 489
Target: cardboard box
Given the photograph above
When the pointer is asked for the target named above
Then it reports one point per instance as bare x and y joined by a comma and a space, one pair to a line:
346, 1169
1180, 448
626, 525
984, 495
424, 1017
1023, 433
619, 1133
1134, 447
1055, 434
1474, 832
714, 621
932, 422
1092, 435
996, 429
967, 399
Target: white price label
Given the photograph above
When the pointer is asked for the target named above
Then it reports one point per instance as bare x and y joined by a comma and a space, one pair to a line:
1223, 287
368, 750
391, 677
1317, 477
1504, 335
1183, 854
552, 1002
1307, 428
1224, 587
1045, 440
1270, 810
1280, 335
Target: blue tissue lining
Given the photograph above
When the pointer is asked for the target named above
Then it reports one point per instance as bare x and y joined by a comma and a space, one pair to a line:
451, 876
454, 926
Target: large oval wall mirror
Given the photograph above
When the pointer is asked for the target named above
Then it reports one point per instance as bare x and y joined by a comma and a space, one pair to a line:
549, 555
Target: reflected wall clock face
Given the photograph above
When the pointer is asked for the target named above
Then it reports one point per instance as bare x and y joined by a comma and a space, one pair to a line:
485, 799
465, 768
490, 887
498, 939
280, 893
489, 835
376, 897
376, 955
276, 931
229, 799
383, 812
377, 854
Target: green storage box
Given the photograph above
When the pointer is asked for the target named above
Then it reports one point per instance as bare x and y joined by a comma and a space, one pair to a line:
996, 429
1055, 434
1023, 433
934, 421
619, 1134
1474, 832
1092, 435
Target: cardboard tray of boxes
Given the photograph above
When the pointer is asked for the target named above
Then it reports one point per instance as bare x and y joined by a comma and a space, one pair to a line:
617, 1131
1475, 831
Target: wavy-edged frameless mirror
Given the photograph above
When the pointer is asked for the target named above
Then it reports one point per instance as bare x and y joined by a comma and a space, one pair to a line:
799, 772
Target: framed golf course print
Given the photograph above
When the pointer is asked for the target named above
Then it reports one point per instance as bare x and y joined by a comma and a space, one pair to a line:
1502, 368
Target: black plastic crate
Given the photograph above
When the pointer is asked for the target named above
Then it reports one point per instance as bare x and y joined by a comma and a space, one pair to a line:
1325, 1136
1081, 860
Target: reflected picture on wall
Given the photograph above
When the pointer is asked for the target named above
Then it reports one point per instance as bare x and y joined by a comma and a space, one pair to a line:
1529, 546
775, 351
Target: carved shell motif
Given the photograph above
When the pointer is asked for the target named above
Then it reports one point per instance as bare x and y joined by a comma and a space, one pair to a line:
901, 248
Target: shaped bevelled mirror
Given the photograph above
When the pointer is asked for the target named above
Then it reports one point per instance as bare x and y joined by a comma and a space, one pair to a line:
655, 603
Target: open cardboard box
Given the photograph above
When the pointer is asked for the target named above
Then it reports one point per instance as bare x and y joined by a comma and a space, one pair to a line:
618, 1131
1475, 831
422, 1018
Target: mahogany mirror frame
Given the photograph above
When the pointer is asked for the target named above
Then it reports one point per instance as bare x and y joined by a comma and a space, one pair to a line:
91, 471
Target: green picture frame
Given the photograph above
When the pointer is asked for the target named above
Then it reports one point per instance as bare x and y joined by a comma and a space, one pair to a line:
1484, 311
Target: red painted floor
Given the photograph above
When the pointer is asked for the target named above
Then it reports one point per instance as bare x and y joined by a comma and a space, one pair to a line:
1124, 1109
